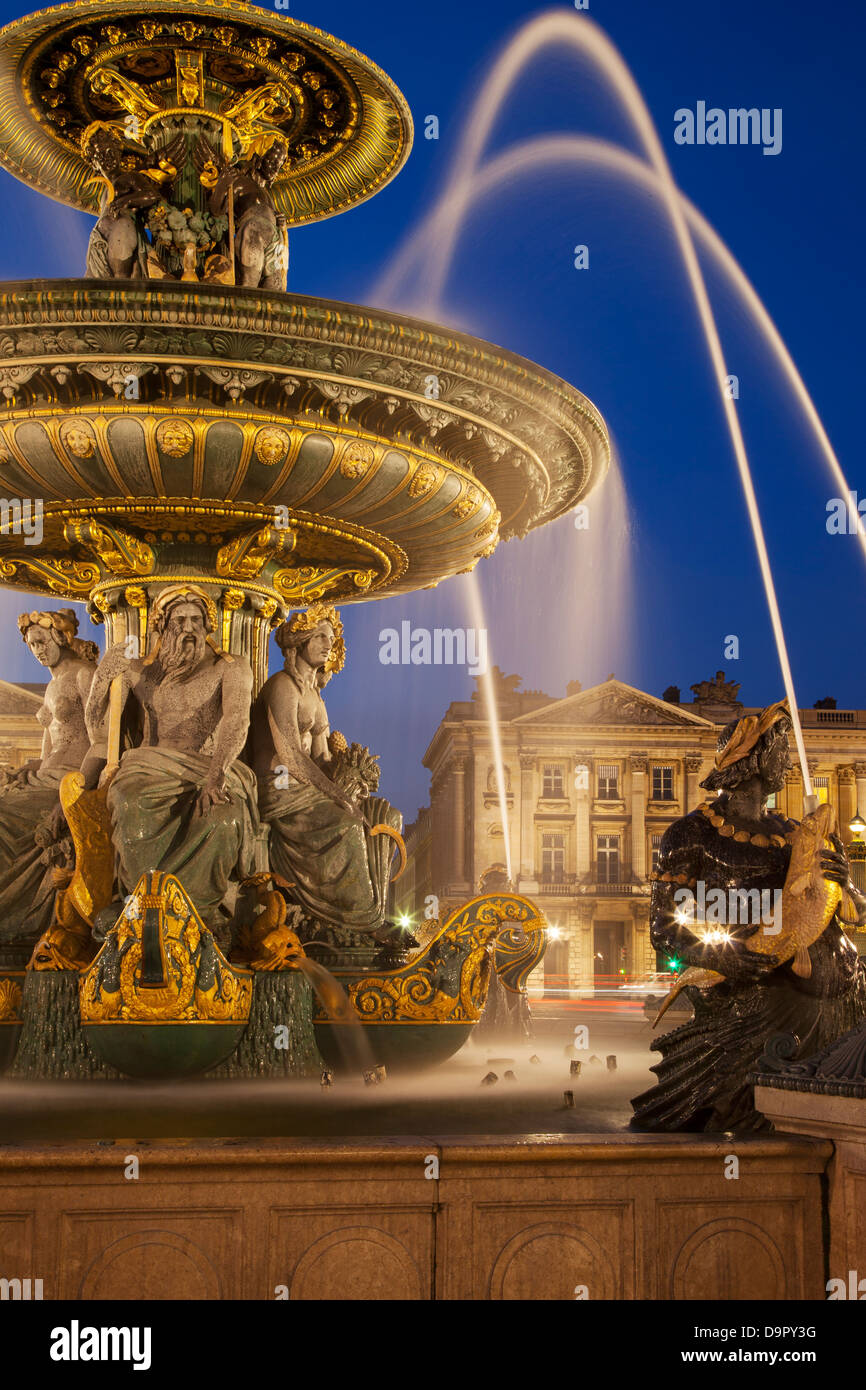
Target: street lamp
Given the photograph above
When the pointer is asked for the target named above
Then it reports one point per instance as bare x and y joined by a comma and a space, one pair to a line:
857, 851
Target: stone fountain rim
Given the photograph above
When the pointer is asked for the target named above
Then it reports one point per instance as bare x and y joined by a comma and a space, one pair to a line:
279, 298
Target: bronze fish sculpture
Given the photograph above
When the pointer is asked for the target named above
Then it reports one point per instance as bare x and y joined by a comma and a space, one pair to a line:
809, 901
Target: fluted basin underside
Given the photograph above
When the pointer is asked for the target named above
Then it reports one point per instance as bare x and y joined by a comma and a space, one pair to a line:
166, 410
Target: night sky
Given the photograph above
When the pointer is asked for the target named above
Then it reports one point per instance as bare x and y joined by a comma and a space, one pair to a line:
652, 601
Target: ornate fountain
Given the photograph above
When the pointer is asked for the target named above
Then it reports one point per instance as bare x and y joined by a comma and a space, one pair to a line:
184, 425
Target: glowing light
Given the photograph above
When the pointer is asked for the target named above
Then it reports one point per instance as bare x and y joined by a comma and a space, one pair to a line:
554, 933
404, 920
714, 936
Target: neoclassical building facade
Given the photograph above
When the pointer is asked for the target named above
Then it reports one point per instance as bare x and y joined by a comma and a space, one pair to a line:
590, 782
20, 731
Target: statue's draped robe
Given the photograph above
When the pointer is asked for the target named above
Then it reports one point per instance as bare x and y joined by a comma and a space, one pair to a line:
27, 885
339, 872
703, 1075
152, 802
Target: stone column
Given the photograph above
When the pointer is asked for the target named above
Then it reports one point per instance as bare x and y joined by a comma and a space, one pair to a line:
644, 957
583, 795
458, 827
847, 803
580, 962
694, 763
638, 763
794, 794
860, 776
527, 821
440, 815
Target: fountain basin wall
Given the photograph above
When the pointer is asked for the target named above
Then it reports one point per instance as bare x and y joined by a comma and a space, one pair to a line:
621, 1216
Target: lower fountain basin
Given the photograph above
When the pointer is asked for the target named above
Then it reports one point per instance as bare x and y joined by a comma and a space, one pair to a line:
162, 1051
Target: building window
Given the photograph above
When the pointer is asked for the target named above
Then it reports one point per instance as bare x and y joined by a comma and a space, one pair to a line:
771, 801
821, 786
608, 782
552, 781
607, 853
656, 849
552, 858
663, 784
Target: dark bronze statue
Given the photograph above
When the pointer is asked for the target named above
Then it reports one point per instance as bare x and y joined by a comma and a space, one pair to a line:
118, 247
260, 244
734, 850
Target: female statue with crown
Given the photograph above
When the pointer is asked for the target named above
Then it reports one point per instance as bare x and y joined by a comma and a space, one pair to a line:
330, 837
31, 821
794, 971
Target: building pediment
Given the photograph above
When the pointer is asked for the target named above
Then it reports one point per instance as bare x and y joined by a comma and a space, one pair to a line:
613, 703
16, 702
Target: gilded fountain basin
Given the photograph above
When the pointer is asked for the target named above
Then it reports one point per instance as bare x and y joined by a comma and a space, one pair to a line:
397, 450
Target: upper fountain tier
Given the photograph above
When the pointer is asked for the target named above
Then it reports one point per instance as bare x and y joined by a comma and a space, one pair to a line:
229, 70
174, 422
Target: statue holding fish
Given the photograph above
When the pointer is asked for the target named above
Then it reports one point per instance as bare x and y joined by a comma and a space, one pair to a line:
750, 973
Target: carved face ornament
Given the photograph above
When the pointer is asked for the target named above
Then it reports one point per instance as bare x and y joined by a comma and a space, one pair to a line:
78, 442
175, 438
271, 446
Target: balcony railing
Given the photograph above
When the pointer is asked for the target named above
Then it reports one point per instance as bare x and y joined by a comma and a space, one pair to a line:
559, 885
596, 883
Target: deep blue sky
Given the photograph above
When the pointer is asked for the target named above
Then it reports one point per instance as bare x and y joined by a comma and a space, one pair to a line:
625, 333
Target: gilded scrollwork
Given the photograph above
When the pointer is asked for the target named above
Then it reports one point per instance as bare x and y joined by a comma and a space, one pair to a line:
245, 556
119, 552
447, 981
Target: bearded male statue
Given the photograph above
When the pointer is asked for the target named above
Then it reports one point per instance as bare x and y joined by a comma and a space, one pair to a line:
180, 801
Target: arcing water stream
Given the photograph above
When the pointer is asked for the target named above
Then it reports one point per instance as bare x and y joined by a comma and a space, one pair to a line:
437, 238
